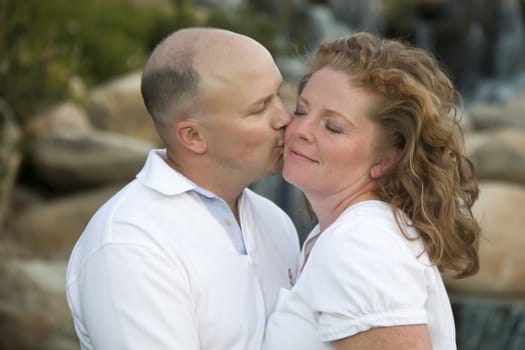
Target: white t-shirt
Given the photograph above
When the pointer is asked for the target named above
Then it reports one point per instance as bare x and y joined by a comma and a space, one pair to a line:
155, 270
361, 273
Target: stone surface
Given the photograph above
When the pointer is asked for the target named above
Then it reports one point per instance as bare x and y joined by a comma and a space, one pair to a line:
76, 161
491, 115
64, 117
118, 107
10, 158
498, 155
33, 308
50, 229
499, 210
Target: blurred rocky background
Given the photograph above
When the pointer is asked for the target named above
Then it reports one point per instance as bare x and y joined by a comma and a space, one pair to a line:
73, 130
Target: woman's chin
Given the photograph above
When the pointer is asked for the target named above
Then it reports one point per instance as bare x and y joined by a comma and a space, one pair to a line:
292, 177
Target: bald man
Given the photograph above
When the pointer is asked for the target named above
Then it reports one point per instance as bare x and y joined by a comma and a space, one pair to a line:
185, 256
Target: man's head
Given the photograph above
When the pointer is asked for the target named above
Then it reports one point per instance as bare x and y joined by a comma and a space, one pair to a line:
214, 95
169, 78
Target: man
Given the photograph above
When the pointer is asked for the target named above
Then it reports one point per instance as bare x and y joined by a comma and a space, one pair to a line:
185, 256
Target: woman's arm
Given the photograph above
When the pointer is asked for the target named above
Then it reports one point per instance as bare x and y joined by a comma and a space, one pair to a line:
412, 337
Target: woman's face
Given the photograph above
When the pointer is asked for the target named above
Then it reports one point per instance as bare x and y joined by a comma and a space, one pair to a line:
329, 145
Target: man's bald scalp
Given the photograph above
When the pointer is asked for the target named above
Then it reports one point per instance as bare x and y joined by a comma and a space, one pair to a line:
178, 63
169, 76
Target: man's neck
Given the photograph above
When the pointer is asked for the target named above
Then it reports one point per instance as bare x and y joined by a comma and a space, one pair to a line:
219, 186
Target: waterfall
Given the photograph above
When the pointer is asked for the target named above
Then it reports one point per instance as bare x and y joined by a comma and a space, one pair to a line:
507, 70
361, 15
510, 41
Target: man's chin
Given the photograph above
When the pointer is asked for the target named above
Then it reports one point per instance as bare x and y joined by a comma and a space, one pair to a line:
275, 169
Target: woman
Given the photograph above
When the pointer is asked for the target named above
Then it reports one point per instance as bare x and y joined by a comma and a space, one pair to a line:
375, 147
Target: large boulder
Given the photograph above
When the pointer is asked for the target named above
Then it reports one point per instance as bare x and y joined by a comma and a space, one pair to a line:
505, 115
51, 228
498, 155
117, 106
502, 262
68, 153
63, 117
33, 309
10, 158
67, 160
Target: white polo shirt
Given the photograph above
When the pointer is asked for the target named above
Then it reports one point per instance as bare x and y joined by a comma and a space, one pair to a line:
154, 270
361, 273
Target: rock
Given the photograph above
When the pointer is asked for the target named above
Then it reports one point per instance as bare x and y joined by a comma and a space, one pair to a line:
498, 155
490, 116
65, 117
118, 107
513, 137
515, 109
497, 161
487, 116
464, 120
22, 198
76, 161
33, 309
502, 262
51, 229
10, 158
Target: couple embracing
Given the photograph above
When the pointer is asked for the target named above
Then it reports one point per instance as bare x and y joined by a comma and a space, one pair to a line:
186, 257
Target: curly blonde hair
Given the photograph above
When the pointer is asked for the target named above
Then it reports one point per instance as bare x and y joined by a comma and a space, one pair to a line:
433, 182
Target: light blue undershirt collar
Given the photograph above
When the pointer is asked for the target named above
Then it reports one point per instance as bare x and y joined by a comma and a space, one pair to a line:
224, 215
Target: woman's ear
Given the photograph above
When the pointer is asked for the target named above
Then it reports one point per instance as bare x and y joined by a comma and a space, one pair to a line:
189, 136
385, 164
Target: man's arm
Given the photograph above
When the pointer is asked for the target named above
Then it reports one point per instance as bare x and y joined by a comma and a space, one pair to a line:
134, 297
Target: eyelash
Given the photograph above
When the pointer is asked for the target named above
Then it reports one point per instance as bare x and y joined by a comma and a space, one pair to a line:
331, 129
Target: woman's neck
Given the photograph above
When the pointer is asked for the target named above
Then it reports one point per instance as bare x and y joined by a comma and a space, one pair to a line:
329, 208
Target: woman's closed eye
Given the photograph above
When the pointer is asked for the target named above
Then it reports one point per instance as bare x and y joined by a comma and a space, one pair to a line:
333, 127
298, 112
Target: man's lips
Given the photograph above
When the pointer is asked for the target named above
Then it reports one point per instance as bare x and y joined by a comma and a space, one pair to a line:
300, 156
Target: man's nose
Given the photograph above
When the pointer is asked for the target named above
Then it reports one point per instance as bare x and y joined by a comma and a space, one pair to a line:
283, 117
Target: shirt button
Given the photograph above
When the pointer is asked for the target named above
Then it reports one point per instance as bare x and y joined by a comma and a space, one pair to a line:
228, 222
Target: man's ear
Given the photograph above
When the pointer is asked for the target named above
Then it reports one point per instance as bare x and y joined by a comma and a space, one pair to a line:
385, 164
189, 136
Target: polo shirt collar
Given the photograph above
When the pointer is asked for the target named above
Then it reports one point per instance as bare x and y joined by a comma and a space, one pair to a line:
157, 175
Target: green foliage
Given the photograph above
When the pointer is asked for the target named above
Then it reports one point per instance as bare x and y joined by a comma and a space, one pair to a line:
247, 20
46, 45
43, 44
401, 4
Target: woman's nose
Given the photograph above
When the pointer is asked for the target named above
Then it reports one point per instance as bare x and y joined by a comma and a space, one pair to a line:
301, 127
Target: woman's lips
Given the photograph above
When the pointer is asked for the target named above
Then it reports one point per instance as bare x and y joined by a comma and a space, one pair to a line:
300, 156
